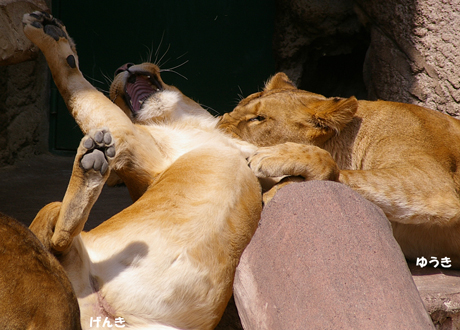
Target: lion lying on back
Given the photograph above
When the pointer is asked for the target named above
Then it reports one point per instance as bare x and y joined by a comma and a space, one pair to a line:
402, 157
168, 260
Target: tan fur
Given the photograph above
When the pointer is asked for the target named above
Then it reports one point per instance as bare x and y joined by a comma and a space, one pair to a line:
402, 157
35, 292
168, 260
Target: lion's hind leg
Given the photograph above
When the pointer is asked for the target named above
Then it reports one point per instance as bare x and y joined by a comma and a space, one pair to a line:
58, 223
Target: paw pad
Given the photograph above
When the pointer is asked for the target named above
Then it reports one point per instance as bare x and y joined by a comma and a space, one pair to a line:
50, 25
100, 148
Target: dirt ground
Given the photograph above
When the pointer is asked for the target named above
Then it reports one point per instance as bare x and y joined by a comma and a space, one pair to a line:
31, 184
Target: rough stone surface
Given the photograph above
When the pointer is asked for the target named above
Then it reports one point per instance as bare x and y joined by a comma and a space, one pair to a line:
308, 34
325, 258
14, 46
24, 107
413, 56
24, 86
440, 291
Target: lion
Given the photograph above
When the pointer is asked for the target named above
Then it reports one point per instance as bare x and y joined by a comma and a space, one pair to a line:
402, 157
168, 260
42, 297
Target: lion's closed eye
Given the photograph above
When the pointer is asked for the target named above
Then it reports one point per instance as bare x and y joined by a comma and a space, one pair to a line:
257, 118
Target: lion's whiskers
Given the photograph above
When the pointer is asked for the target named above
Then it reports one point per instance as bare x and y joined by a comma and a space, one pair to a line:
209, 109
98, 81
175, 67
108, 80
158, 61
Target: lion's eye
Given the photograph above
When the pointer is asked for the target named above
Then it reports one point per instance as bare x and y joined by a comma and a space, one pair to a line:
258, 118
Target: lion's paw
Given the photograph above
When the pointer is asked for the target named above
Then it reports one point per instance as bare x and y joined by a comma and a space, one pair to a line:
292, 159
269, 162
46, 31
47, 23
98, 149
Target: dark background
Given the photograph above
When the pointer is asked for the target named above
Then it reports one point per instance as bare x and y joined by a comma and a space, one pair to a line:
223, 48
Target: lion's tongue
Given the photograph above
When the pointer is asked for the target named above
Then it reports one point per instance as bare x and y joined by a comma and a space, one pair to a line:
138, 89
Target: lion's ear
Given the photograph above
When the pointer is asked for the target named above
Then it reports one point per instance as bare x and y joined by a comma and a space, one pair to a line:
279, 81
335, 113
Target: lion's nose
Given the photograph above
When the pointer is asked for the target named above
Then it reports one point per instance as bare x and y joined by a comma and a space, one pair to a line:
123, 68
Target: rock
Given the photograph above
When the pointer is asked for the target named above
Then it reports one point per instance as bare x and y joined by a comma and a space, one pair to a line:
320, 45
440, 292
24, 110
24, 86
413, 56
323, 257
408, 54
14, 46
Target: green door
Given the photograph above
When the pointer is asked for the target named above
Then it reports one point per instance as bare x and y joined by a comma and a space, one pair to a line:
221, 50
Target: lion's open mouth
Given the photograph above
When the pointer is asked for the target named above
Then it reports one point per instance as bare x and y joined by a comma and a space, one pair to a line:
140, 87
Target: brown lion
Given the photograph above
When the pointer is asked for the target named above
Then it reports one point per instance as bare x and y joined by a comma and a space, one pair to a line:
168, 260
403, 157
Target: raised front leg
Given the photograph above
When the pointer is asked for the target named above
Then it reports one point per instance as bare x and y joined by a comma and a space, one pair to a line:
58, 223
90, 108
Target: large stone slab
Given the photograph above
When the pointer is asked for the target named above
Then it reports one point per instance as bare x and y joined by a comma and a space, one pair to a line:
14, 46
323, 257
